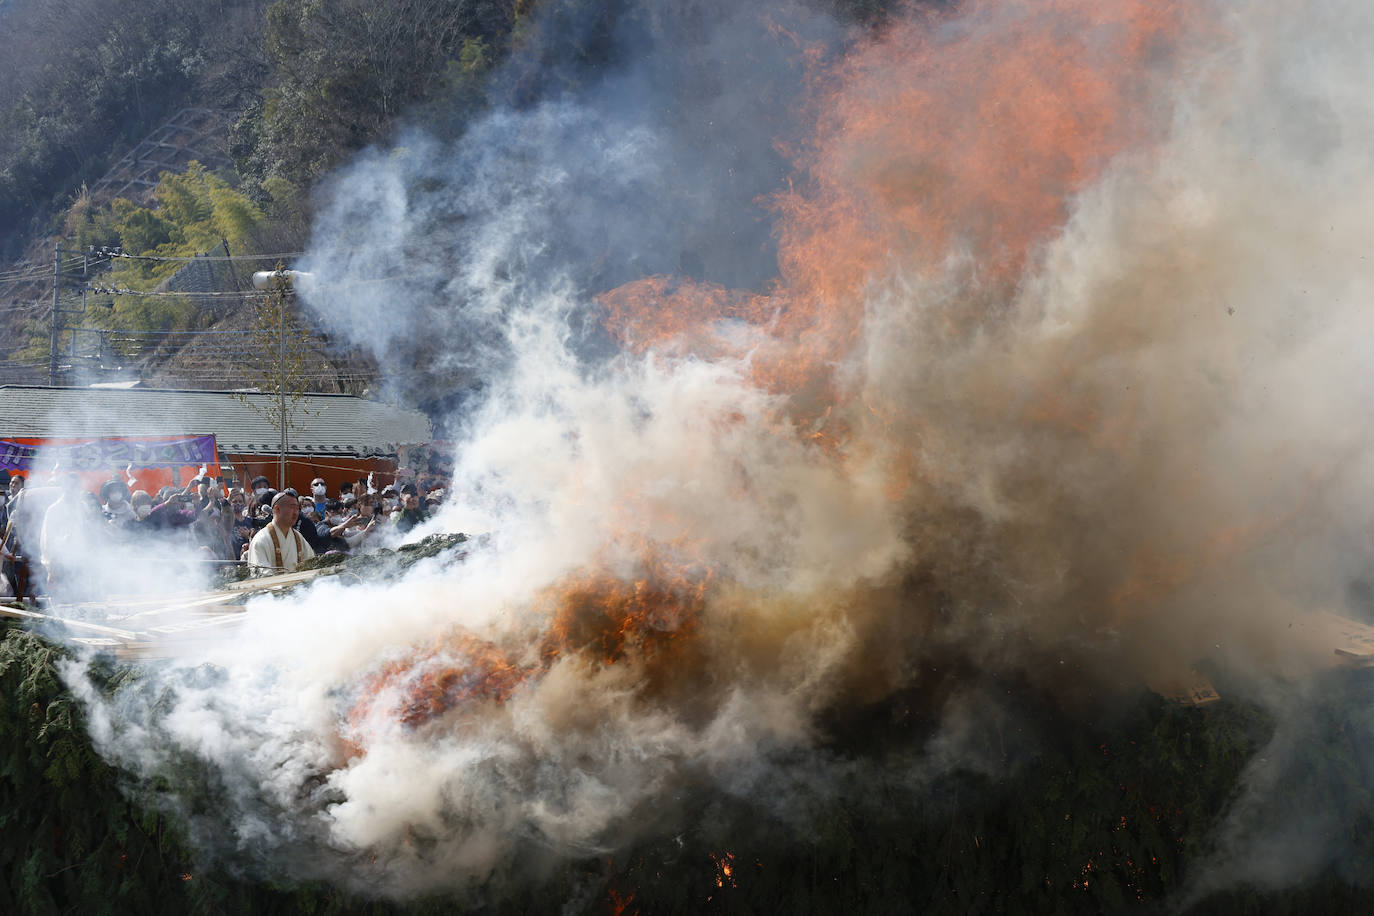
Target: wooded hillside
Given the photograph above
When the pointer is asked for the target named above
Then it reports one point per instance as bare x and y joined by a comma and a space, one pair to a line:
296, 86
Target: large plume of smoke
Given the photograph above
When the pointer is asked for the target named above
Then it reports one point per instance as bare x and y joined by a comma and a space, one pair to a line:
1146, 441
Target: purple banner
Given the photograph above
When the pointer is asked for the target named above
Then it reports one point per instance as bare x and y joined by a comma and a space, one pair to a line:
23, 454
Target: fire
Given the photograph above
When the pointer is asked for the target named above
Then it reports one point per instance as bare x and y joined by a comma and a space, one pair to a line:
610, 618
965, 133
598, 618
940, 136
620, 904
725, 869
456, 668
949, 136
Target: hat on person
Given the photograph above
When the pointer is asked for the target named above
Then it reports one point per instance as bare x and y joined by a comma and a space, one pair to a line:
108, 486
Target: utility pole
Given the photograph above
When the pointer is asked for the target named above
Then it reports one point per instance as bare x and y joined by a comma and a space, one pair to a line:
52, 341
281, 380
58, 311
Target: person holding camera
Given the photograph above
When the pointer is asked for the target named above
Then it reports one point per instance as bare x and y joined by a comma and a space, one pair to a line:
359, 526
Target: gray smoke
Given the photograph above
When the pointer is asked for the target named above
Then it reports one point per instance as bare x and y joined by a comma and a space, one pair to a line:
1149, 442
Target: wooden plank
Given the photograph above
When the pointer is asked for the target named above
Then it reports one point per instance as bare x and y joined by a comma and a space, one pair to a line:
69, 622
279, 580
19, 613
100, 642
211, 602
201, 624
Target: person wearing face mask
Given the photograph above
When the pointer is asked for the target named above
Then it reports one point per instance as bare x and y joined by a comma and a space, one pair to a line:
244, 527
390, 503
114, 499
309, 526
411, 514
238, 502
317, 489
357, 528
141, 503
330, 513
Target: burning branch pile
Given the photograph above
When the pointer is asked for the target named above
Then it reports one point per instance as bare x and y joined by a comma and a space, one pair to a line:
1110, 815
1046, 387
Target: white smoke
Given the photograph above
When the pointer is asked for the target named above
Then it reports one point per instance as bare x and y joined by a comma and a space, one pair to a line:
1153, 443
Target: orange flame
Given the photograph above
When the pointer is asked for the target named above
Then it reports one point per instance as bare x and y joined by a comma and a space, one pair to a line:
597, 617
961, 133
968, 131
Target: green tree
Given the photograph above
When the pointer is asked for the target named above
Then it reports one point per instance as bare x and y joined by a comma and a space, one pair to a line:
344, 70
280, 364
196, 212
80, 80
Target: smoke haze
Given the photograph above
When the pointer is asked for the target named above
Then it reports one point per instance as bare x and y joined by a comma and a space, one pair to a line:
1037, 329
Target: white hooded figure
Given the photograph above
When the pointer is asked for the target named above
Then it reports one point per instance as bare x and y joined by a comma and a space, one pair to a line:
73, 537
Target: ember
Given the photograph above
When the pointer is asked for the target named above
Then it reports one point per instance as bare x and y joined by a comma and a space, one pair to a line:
725, 869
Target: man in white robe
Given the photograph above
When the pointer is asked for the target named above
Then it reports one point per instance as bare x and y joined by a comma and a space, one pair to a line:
279, 547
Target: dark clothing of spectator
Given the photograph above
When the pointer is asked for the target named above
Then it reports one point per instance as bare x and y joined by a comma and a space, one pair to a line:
339, 545
171, 514
408, 519
310, 530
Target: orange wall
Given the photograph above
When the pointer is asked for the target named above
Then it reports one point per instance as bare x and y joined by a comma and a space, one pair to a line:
333, 469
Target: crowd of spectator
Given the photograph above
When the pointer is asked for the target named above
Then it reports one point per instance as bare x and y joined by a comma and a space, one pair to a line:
54, 533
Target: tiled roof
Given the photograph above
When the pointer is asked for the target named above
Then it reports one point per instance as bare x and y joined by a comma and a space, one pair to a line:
321, 424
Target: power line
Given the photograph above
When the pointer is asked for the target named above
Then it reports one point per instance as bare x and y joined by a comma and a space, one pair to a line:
103, 255
17, 275
221, 294
280, 256
177, 333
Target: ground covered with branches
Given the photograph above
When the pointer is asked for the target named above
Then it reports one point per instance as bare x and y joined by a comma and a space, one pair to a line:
1110, 814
